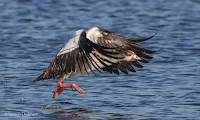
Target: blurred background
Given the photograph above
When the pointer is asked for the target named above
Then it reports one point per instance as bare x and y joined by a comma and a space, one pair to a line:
33, 31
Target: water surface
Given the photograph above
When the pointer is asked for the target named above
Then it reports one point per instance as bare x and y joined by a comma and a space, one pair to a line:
32, 32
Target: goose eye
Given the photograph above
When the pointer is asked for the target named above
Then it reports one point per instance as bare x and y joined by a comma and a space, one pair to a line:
127, 53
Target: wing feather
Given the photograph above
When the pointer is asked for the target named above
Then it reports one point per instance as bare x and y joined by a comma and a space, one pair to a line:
73, 57
109, 39
78, 56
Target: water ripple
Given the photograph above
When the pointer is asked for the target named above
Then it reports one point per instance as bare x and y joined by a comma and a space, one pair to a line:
167, 88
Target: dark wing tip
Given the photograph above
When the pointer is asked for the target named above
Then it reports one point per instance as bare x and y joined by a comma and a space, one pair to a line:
39, 78
136, 64
142, 39
144, 61
150, 51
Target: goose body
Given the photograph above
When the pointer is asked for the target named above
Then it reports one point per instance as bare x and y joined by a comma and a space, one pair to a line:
96, 49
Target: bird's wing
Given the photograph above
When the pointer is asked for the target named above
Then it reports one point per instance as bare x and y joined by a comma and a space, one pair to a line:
76, 55
109, 39
123, 66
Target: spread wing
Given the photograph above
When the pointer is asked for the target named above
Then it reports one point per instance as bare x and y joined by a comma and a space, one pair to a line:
77, 57
80, 56
109, 39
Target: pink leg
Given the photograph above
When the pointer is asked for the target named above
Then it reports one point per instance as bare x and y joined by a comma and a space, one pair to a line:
58, 92
61, 87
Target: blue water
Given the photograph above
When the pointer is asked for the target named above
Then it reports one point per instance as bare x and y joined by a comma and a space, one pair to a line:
32, 32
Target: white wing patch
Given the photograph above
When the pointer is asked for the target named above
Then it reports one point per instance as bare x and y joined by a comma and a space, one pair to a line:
71, 45
93, 34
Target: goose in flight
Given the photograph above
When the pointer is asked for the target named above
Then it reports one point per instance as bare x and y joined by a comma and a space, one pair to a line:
95, 50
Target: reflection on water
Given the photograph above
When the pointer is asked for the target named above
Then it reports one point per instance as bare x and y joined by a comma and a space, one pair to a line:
80, 114
74, 114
